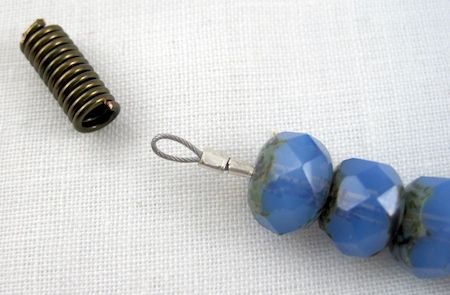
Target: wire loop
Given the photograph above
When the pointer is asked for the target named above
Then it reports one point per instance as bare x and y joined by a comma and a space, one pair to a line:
180, 140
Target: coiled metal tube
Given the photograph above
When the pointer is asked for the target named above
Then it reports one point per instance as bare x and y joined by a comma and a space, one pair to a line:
69, 77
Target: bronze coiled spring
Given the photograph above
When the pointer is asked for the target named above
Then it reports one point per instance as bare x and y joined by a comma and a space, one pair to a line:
68, 75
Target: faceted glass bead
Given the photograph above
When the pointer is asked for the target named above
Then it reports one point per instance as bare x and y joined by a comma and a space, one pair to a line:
364, 207
290, 183
423, 240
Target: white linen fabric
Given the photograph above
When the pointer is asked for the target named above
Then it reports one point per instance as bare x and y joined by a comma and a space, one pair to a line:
100, 214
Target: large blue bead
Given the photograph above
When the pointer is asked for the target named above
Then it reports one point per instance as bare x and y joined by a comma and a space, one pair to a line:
364, 207
423, 240
291, 182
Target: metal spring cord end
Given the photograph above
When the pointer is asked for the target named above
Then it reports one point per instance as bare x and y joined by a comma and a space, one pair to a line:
68, 75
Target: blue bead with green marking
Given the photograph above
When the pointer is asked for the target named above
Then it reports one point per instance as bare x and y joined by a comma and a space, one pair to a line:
290, 183
422, 243
364, 207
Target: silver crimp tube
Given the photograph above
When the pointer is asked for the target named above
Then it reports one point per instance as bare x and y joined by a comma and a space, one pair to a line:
217, 161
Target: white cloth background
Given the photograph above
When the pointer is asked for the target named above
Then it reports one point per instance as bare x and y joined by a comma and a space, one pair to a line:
100, 214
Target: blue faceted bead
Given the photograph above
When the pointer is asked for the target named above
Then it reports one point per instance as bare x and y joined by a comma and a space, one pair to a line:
290, 183
364, 207
423, 240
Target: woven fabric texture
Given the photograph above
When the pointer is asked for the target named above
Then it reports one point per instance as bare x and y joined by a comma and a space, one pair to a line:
100, 214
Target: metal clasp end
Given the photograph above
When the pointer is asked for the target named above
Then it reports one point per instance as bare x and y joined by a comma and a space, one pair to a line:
217, 161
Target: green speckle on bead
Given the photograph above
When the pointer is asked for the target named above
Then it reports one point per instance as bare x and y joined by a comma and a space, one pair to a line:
330, 207
412, 227
415, 199
262, 174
